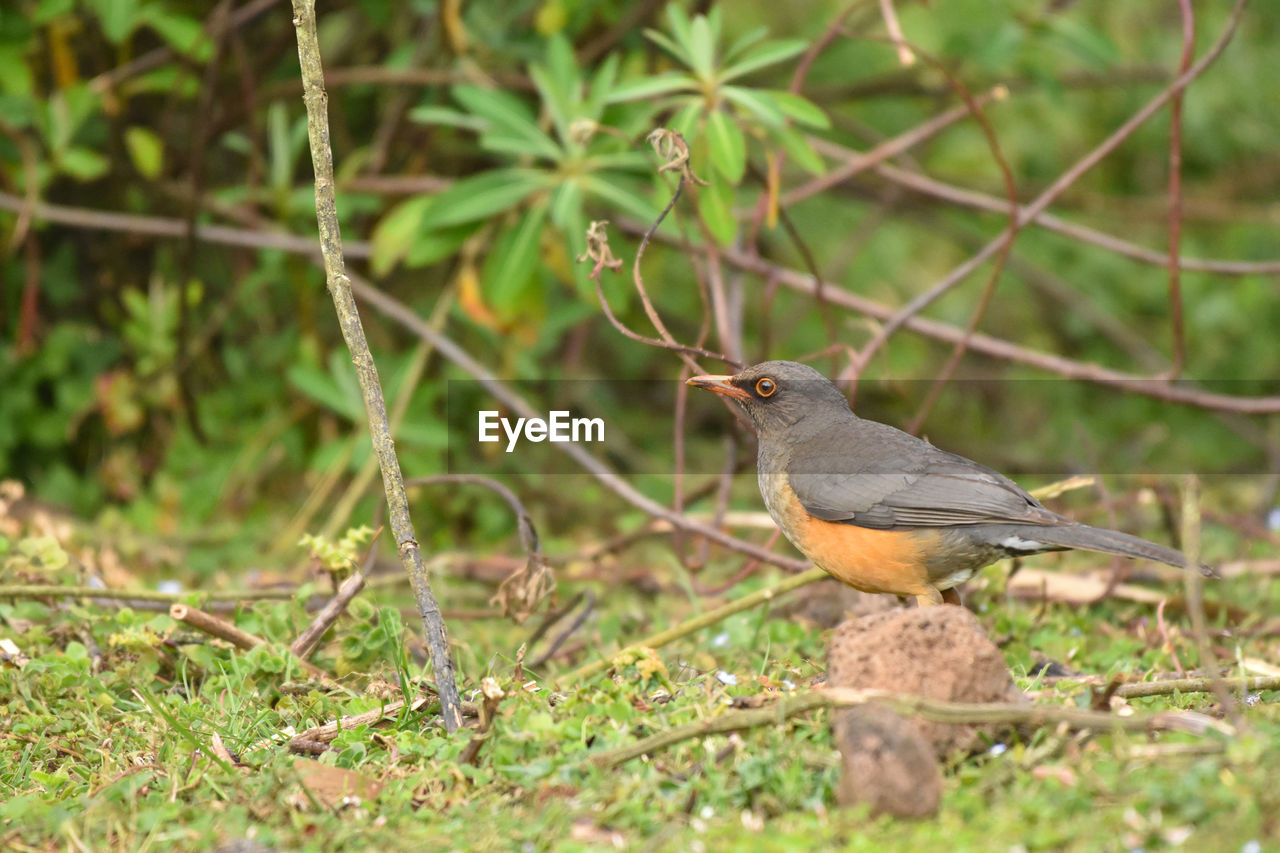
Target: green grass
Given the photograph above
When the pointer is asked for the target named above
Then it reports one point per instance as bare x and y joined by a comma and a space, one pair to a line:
105, 740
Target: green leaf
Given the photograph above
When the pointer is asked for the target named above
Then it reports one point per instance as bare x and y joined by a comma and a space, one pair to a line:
799, 108
117, 18
482, 196
554, 100
681, 32
798, 149
649, 87
394, 234
762, 56
82, 163
564, 201
743, 43
664, 42
434, 246
504, 143
446, 117
327, 389
559, 82
715, 203
184, 34
727, 146
685, 122
633, 161
621, 199
563, 68
756, 103
46, 10
279, 152
1089, 44
702, 49
513, 265
601, 87
145, 150
508, 115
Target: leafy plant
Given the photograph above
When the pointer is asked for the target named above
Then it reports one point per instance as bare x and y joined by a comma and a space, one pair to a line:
520, 212
717, 114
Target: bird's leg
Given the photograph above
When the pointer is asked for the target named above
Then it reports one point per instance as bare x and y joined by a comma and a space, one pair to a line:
932, 598
952, 596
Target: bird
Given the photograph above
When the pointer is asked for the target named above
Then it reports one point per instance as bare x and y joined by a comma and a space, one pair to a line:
884, 511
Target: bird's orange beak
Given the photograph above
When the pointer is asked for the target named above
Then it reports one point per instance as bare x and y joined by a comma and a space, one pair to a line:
720, 384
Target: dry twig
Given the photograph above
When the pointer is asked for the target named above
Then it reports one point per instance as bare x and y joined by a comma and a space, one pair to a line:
241, 639
339, 284
906, 705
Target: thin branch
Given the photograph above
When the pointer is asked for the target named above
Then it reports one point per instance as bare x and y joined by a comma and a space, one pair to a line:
1161, 389
316, 101
167, 226
974, 106
307, 641
525, 588
934, 710
906, 58
162, 226
971, 198
1194, 585
1175, 193
49, 591
224, 630
1057, 188
1141, 689
306, 742
858, 162
997, 348
599, 253
711, 617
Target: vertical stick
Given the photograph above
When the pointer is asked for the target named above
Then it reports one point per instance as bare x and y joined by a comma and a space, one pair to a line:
317, 102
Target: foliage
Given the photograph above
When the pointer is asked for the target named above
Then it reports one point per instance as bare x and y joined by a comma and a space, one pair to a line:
158, 695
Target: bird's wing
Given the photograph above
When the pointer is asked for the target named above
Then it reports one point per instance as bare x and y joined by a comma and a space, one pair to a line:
879, 477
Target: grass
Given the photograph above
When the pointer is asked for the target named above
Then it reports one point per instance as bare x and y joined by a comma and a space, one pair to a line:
107, 739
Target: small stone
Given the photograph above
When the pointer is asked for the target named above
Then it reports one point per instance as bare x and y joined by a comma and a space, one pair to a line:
887, 763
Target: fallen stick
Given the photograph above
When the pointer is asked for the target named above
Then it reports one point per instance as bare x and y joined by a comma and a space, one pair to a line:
55, 591
1139, 689
224, 630
310, 638
919, 706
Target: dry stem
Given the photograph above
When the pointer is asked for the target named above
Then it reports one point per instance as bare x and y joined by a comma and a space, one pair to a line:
366, 371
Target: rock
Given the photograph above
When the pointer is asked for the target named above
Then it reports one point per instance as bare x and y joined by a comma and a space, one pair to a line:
888, 764
937, 652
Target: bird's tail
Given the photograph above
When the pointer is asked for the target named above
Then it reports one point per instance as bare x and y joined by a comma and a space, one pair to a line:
1114, 542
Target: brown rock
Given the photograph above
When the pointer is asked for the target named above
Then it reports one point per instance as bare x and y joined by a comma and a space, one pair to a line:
937, 652
887, 763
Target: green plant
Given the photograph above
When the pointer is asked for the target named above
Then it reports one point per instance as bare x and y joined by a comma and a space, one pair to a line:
522, 211
717, 114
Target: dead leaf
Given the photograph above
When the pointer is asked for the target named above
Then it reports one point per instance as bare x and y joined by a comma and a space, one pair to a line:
334, 786
1074, 588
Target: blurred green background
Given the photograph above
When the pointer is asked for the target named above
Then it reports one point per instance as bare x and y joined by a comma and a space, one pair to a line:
199, 390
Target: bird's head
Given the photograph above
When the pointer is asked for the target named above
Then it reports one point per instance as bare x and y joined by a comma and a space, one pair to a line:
777, 393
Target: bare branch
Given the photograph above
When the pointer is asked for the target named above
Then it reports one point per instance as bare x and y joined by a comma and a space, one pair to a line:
339, 284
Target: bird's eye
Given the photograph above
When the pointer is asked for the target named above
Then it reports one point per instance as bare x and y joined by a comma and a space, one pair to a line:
765, 387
